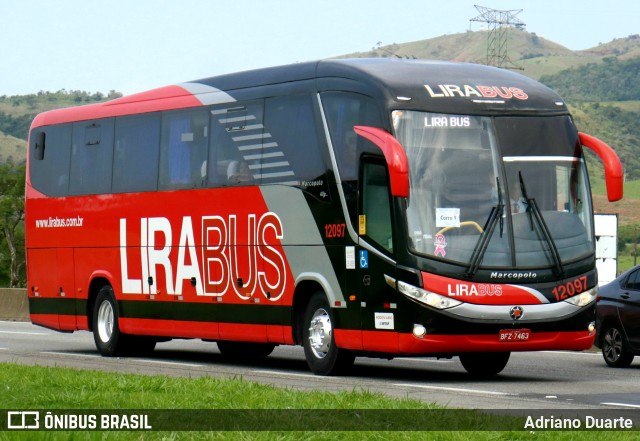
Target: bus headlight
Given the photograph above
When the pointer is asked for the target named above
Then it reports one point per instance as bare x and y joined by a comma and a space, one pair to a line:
584, 298
428, 298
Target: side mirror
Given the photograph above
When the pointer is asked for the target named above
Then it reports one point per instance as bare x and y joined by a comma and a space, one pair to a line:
613, 172
394, 155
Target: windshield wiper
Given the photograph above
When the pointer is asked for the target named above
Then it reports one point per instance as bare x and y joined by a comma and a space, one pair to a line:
535, 214
483, 242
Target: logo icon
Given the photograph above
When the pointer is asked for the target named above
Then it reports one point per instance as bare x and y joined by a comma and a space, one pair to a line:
516, 312
23, 420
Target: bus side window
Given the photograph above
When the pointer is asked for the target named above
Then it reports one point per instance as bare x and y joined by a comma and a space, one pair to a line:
376, 204
238, 144
290, 122
91, 157
135, 155
343, 111
184, 150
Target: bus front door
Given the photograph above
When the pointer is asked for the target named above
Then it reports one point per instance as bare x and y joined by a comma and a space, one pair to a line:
375, 260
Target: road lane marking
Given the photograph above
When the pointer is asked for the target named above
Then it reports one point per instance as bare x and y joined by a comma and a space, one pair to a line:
72, 354
456, 389
572, 353
634, 406
24, 333
174, 363
131, 359
14, 323
287, 374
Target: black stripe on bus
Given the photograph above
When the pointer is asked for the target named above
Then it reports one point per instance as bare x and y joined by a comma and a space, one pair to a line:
180, 311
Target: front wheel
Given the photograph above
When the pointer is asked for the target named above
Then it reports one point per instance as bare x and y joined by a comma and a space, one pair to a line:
613, 348
110, 342
320, 350
483, 365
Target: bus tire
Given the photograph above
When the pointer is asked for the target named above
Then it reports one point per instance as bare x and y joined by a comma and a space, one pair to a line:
614, 348
245, 350
110, 342
484, 364
320, 350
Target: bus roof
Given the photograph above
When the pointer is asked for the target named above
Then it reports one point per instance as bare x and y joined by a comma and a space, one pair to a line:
449, 87
435, 86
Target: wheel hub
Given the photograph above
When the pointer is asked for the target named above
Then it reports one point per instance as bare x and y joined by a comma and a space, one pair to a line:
320, 333
613, 344
105, 321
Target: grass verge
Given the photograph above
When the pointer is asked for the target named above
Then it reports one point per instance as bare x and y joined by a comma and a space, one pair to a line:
46, 388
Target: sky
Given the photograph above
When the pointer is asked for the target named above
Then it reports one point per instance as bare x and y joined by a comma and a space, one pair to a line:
135, 45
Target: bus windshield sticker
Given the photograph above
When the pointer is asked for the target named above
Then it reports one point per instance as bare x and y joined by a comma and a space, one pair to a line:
447, 217
440, 244
447, 121
362, 224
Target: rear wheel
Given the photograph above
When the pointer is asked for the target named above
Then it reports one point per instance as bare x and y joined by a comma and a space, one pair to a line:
613, 348
484, 364
320, 350
245, 350
110, 342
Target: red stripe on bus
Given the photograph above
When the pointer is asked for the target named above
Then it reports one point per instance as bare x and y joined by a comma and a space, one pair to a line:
208, 330
46, 320
480, 293
538, 341
408, 344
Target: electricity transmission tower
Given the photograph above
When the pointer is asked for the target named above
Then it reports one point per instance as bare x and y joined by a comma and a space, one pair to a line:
499, 22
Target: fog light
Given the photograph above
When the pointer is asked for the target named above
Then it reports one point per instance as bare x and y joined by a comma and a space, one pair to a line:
419, 331
591, 328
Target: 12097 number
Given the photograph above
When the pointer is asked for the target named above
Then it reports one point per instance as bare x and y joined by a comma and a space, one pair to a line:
332, 231
570, 289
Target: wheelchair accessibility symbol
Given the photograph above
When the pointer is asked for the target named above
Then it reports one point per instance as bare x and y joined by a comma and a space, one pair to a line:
364, 259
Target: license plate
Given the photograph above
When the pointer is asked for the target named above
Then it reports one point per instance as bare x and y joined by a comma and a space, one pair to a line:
514, 335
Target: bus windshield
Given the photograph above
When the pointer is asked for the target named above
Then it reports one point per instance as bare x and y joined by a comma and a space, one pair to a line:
504, 192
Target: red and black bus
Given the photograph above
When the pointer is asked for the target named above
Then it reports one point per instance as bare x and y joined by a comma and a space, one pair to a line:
354, 207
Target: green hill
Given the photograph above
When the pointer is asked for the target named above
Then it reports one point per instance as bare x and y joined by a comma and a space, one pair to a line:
471, 47
12, 149
32, 104
535, 55
611, 80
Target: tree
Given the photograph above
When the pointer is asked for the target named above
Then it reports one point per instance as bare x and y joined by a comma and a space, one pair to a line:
12, 219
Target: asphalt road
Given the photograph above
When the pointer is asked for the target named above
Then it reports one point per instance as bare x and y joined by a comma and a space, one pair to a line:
538, 380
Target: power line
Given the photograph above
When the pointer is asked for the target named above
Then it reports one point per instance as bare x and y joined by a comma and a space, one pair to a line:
499, 22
